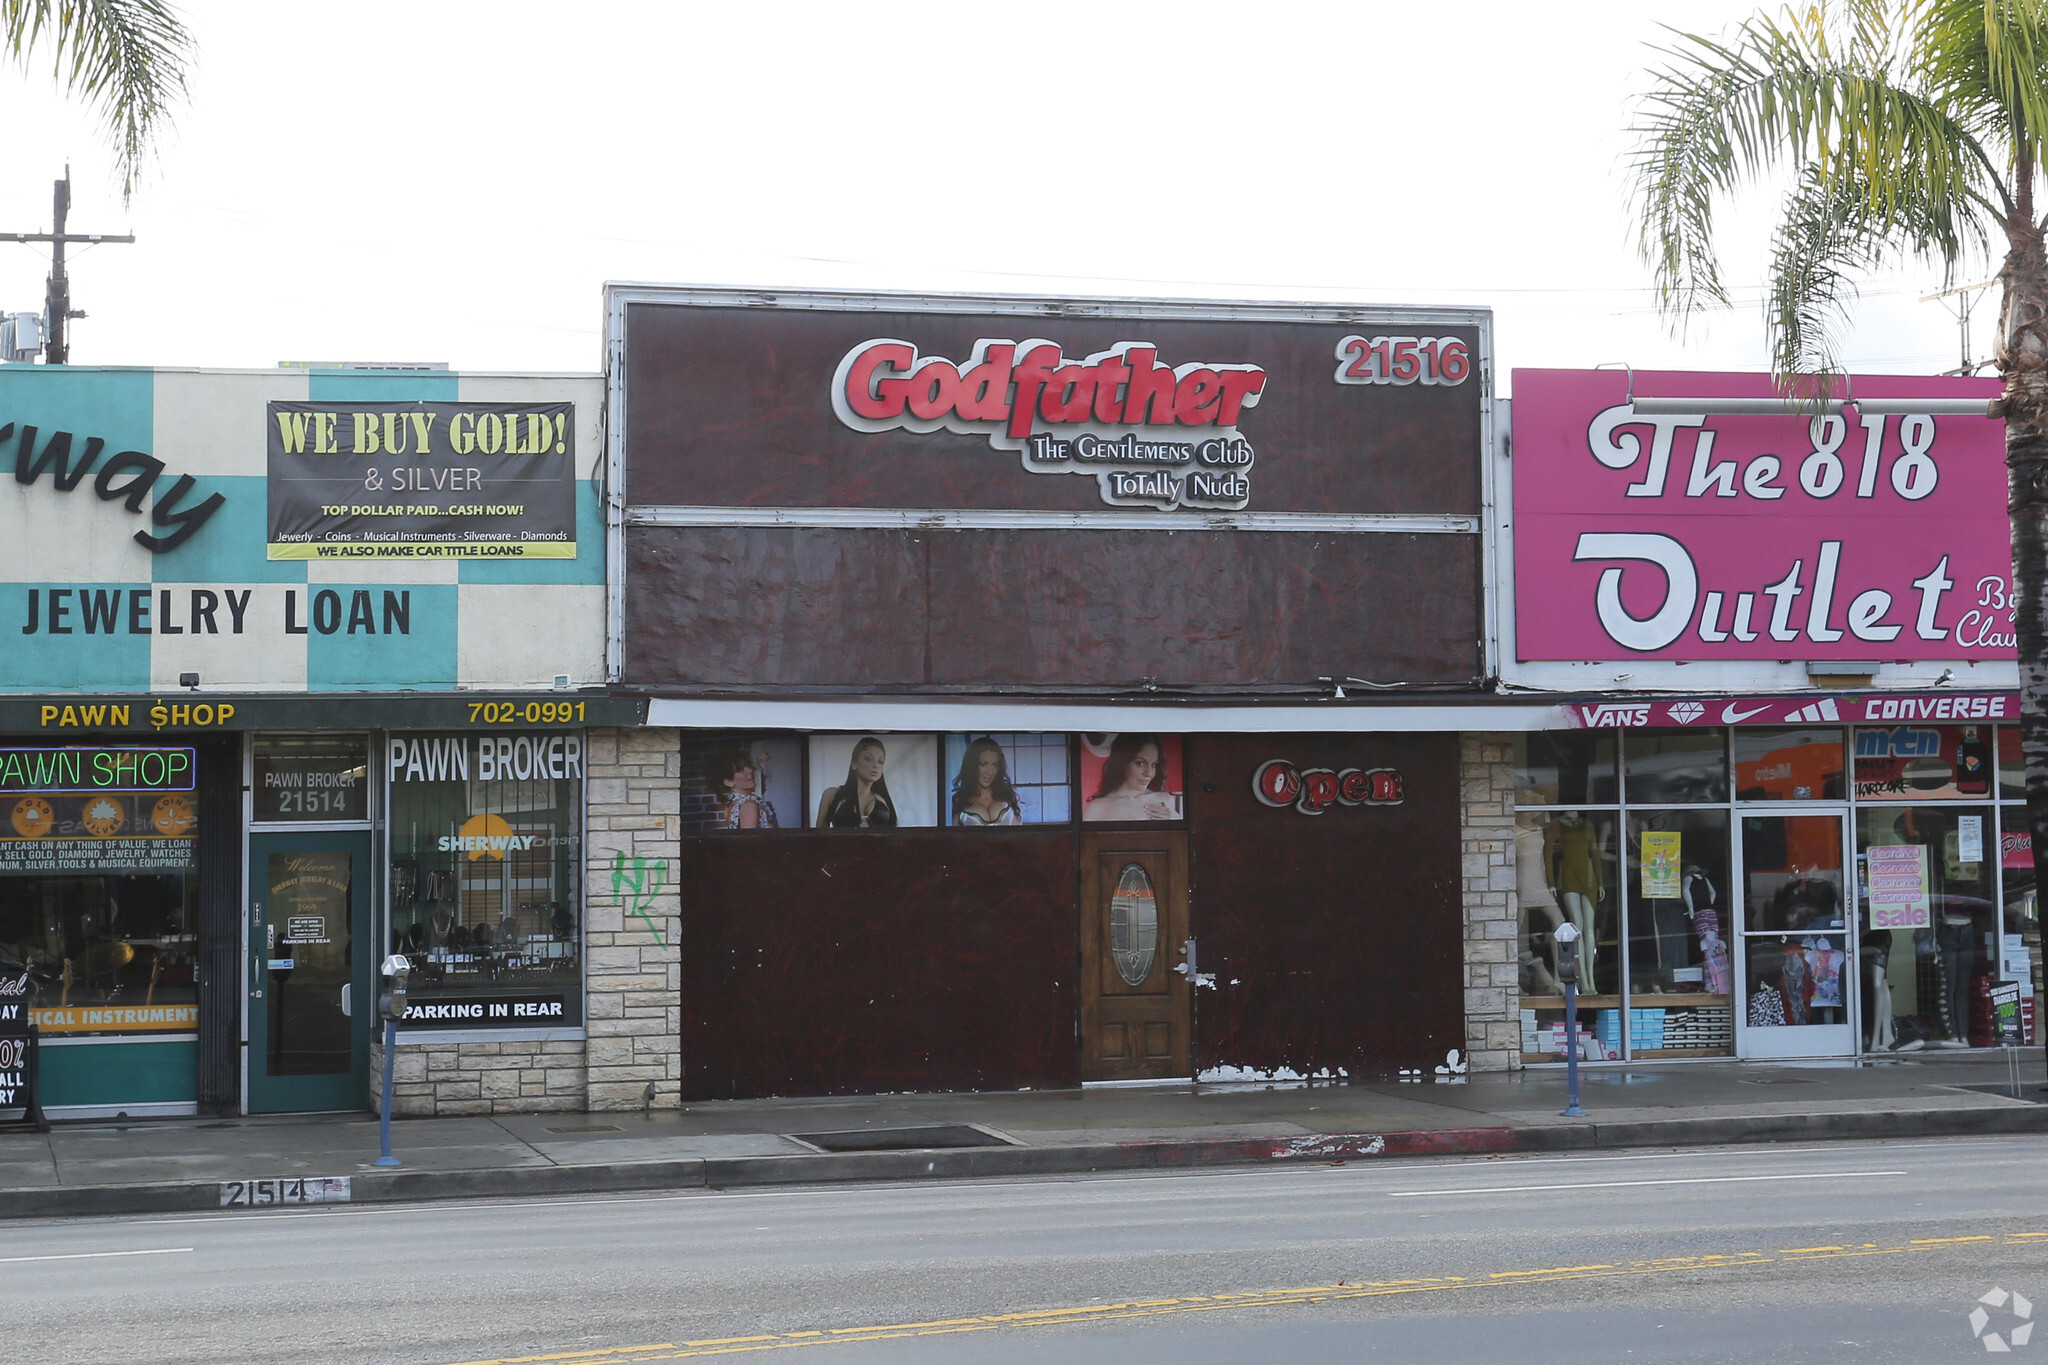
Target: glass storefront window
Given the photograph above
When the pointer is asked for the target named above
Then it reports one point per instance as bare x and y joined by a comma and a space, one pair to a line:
308, 778
1930, 914
486, 876
1565, 867
1924, 763
104, 953
1564, 768
1680, 932
2020, 952
98, 885
1789, 765
1673, 767
1898, 897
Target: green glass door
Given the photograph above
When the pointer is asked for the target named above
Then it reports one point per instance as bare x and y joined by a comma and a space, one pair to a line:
311, 995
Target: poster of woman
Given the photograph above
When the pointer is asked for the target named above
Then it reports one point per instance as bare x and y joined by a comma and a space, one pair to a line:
742, 782
874, 781
1004, 779
1130, 777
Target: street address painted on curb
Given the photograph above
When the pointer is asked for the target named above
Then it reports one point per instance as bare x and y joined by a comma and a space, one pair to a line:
319, 1189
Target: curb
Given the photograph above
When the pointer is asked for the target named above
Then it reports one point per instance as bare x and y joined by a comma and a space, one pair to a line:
736, 1172
420, 1186
1715, 1131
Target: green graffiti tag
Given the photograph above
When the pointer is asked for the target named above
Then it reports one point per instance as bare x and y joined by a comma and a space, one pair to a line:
636, 882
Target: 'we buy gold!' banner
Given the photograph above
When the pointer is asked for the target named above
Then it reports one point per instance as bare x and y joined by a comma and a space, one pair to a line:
422, 481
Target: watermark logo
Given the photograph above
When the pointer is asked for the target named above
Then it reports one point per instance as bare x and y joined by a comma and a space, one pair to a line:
2017, 1327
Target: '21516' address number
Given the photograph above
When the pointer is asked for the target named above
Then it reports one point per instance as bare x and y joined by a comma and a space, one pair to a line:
1403, 360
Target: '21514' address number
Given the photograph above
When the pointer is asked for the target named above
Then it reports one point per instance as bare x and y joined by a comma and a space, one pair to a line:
327, 1189
1403, 360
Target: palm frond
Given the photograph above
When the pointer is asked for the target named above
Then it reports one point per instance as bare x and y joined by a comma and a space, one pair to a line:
127, 58
1987, 60
1822, 92
1828, 236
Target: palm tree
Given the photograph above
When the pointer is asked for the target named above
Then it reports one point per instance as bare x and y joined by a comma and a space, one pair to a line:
1908, 129
127, 58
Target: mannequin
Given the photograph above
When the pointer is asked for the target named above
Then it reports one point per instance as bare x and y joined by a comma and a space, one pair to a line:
1958, 954
1700, 896
1572, 858
1884, 1033
1533, 891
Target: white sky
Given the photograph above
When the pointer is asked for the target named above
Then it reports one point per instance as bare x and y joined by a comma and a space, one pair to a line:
443, 181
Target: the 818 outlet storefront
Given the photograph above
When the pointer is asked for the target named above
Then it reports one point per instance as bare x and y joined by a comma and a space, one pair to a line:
1058, 690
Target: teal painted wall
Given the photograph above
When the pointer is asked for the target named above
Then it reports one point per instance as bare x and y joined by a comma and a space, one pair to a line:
121, 1073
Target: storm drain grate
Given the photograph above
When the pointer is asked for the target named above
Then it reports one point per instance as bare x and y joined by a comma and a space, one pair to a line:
902, 1139
591, 1128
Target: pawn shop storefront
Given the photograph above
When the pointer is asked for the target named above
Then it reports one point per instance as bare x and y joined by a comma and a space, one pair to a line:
197, 915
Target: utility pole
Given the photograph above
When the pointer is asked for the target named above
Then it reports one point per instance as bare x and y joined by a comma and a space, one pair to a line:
1965, 297
57, 308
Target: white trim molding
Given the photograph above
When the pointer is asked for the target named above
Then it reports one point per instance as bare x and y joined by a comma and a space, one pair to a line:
963, 715
1003, 519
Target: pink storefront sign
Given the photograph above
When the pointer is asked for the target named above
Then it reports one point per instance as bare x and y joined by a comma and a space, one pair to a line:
1694, 537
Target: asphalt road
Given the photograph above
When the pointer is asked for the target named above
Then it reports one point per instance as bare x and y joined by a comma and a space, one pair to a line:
1855, 1251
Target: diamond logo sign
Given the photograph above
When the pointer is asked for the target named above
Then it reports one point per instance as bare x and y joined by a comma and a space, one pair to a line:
1686, 712
2017, 1327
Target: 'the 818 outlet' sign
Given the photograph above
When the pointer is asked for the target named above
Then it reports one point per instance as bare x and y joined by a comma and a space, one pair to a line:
1312, 791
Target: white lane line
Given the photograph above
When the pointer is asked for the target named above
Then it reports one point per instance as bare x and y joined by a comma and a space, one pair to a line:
1629, 1184
95, 1255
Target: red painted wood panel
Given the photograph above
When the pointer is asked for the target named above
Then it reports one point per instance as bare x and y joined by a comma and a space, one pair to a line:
1336, 939
844, 963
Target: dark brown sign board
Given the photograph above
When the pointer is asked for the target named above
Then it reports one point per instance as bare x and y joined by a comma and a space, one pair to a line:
796, 404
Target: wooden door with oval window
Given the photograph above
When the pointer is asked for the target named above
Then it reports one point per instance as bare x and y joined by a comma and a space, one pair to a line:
1135, 1008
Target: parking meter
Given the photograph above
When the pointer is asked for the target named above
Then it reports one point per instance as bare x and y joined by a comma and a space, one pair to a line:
1567, 939
392, 1004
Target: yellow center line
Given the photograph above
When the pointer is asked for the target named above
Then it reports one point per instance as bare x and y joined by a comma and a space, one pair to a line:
1211, 1303
593, 1354
1558, 1270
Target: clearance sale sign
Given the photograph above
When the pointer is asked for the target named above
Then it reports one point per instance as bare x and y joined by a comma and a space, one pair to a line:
1694, 537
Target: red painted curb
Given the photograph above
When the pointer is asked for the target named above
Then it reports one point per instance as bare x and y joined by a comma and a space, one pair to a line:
1329, 1146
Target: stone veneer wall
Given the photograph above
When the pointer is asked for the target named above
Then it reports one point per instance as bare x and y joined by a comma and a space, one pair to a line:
1493, 996
632, 971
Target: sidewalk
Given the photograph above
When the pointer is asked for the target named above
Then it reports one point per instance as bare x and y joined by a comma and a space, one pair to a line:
114, 1166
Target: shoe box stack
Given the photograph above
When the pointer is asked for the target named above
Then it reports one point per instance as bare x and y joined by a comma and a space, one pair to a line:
1709, 1028
1548, 1038
1645, 1029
